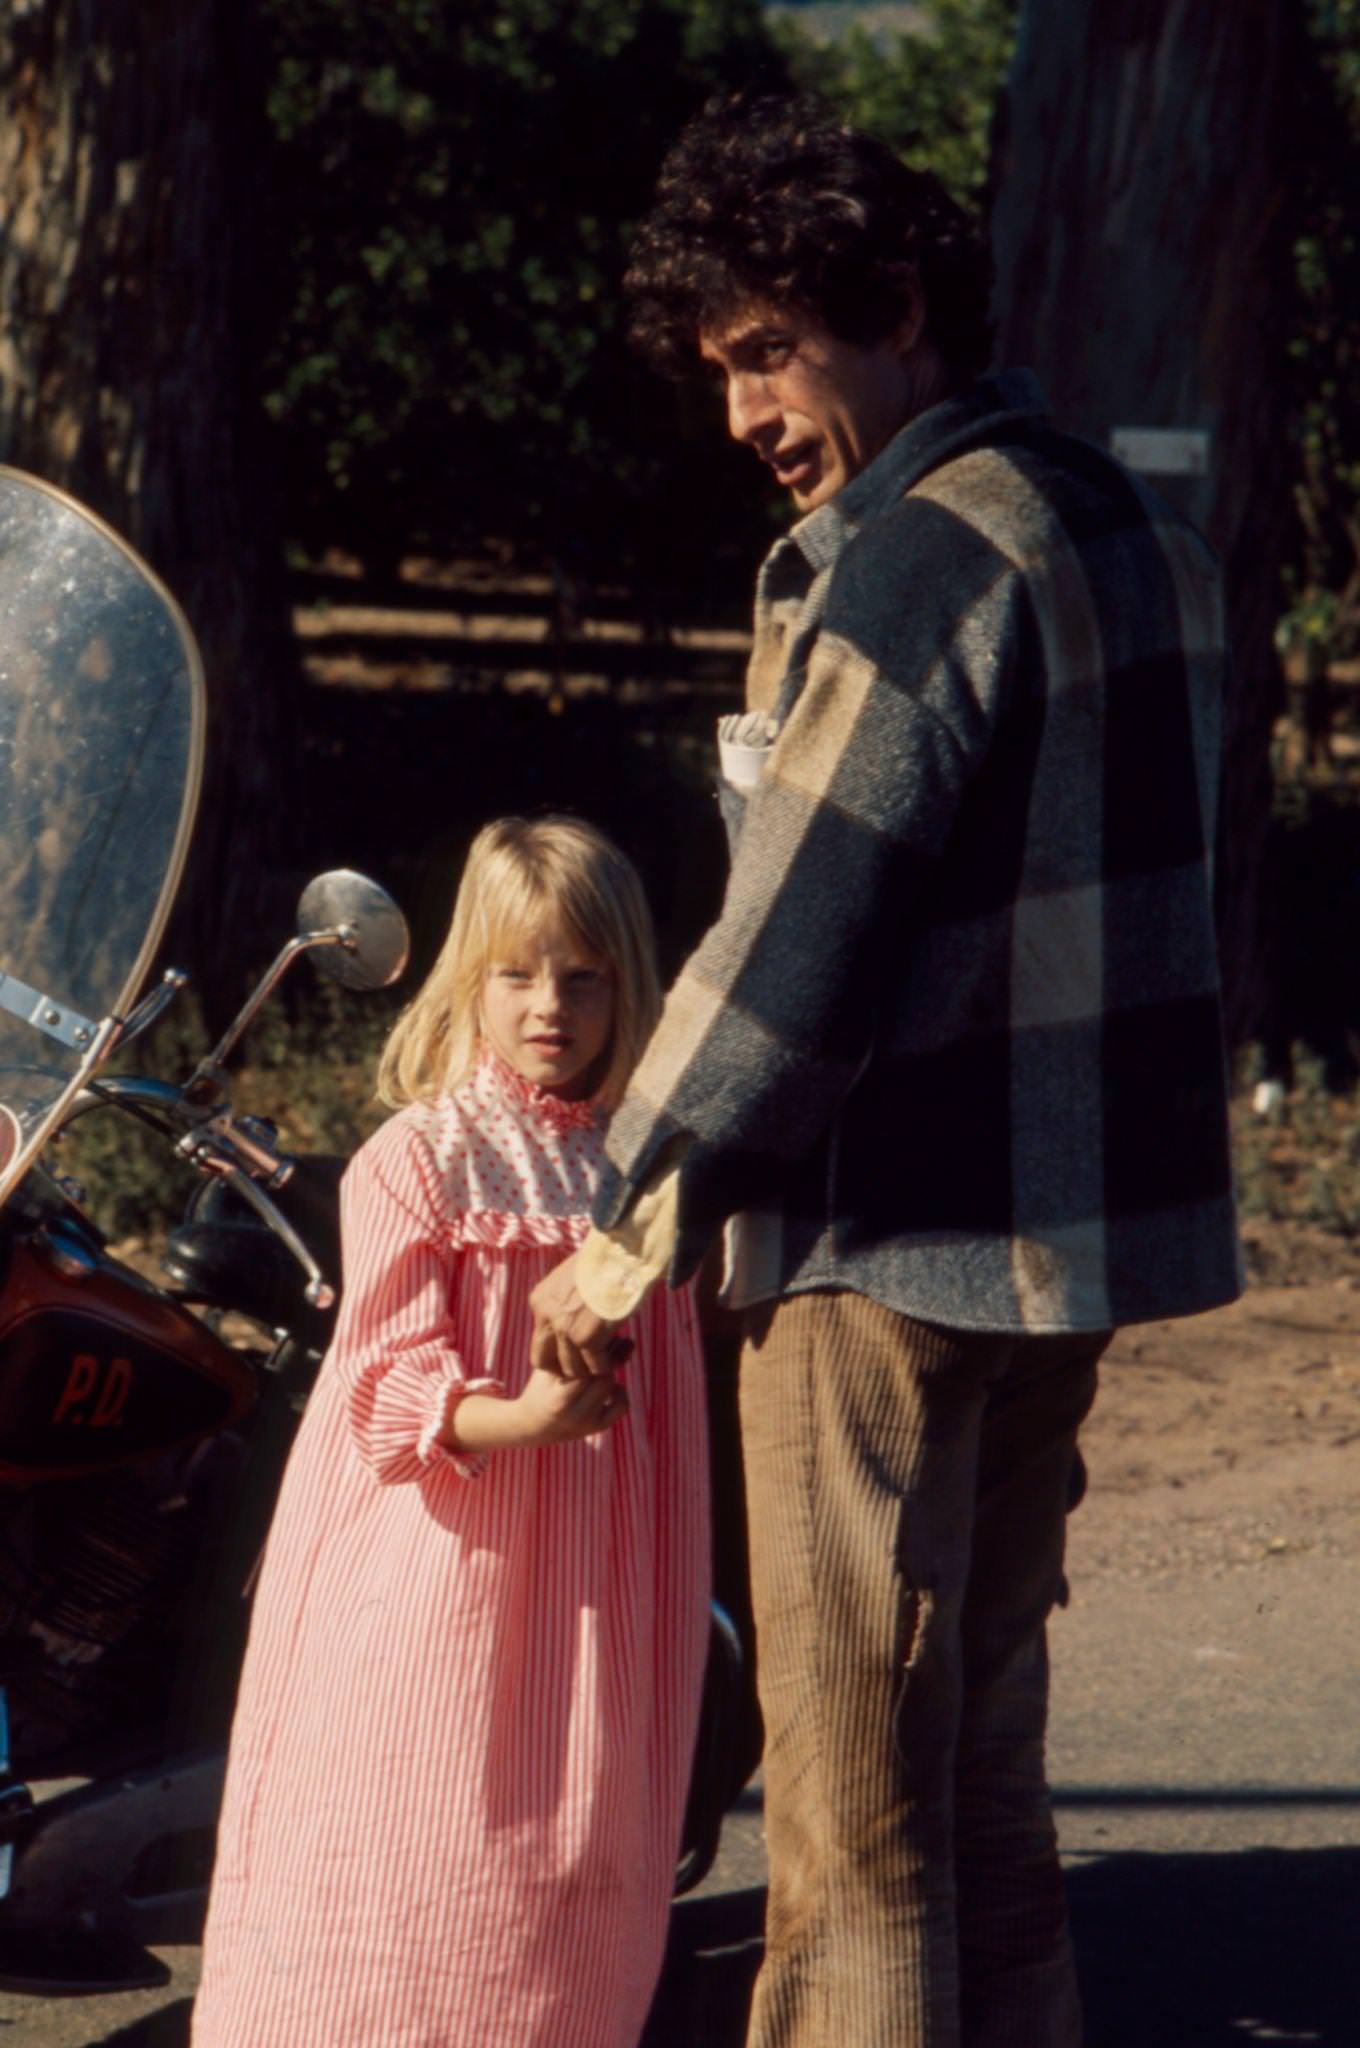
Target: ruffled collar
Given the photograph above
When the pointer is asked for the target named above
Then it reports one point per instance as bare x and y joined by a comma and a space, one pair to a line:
557, 1112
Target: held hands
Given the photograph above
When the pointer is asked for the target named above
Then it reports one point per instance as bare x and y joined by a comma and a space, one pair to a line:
571, 1391
568, 1338
549, 1410
555, 1409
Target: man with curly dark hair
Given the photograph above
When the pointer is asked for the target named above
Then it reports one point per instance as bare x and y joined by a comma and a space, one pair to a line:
768, 202
951, 1058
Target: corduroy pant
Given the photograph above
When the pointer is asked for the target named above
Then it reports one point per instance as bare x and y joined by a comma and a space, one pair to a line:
907, 1489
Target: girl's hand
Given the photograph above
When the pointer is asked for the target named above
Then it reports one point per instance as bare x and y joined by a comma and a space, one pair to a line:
550, 1410
556, 1410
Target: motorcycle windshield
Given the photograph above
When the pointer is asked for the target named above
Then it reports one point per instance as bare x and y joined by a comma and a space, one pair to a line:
101, 725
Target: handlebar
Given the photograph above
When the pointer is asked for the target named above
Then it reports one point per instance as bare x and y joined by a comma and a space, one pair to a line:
206, 1073
215, 1143
133, 1091
319, 1292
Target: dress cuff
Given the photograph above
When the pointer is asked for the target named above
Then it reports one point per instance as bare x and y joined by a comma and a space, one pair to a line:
430, 1448
615, 1268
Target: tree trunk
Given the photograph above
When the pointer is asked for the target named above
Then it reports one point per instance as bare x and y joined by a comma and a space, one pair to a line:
1144, 270
130, 147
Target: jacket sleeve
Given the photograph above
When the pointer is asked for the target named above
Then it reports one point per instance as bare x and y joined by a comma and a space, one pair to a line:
772, 1018
393, 1348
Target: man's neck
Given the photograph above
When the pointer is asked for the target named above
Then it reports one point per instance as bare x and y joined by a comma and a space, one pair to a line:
929, 382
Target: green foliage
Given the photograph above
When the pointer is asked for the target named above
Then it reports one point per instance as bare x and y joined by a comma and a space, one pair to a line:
1324, 577
1303, 1164
930, 93
460, 185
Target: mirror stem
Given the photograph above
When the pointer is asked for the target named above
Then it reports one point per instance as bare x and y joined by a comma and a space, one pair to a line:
204, 1079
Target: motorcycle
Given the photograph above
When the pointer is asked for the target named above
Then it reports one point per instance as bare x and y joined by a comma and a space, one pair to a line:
140, 1451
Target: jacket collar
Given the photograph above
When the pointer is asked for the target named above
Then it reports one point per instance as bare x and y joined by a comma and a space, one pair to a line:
935, 436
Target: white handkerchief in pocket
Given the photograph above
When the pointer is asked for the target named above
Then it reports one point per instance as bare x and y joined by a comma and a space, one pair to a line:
744, 742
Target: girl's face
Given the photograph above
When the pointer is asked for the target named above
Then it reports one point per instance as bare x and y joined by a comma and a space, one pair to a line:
548, 1009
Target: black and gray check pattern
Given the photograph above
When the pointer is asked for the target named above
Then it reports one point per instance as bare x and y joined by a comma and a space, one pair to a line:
955, 1039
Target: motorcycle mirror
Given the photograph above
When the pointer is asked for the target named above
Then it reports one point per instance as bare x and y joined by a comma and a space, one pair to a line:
356, 935
371, 943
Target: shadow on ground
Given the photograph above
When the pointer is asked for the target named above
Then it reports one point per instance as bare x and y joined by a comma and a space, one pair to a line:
1175, 1952
168, 2028
1218, 1951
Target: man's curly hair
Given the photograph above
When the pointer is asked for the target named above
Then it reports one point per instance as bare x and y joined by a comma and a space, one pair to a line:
769, 198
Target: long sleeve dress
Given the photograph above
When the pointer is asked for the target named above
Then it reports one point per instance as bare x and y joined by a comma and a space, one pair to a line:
463, 1736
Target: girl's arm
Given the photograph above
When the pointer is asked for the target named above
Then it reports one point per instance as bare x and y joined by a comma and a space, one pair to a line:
407, 1386
549, 1410
393, 1348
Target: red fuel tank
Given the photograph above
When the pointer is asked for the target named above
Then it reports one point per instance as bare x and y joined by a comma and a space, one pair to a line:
98, 1368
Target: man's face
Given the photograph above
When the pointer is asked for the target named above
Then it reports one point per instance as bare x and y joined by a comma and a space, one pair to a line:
816, 409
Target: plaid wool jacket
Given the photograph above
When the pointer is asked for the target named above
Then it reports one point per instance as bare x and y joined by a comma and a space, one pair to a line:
955, 1040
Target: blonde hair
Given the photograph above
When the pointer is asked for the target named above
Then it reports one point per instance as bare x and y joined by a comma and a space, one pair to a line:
520, 874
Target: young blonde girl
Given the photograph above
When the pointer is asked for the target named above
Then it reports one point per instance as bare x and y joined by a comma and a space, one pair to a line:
463, 1736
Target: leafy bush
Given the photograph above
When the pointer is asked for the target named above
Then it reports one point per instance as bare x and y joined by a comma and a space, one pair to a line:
930, 93
460, 185
1301, 1164
1324, 576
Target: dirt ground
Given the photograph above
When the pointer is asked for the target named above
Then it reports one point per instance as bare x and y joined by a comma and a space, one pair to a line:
1225, 1438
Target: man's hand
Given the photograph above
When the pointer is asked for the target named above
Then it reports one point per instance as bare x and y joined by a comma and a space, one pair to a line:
570, 1339
549, 1410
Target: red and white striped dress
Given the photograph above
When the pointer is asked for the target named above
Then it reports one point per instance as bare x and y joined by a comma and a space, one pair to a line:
463, 1737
